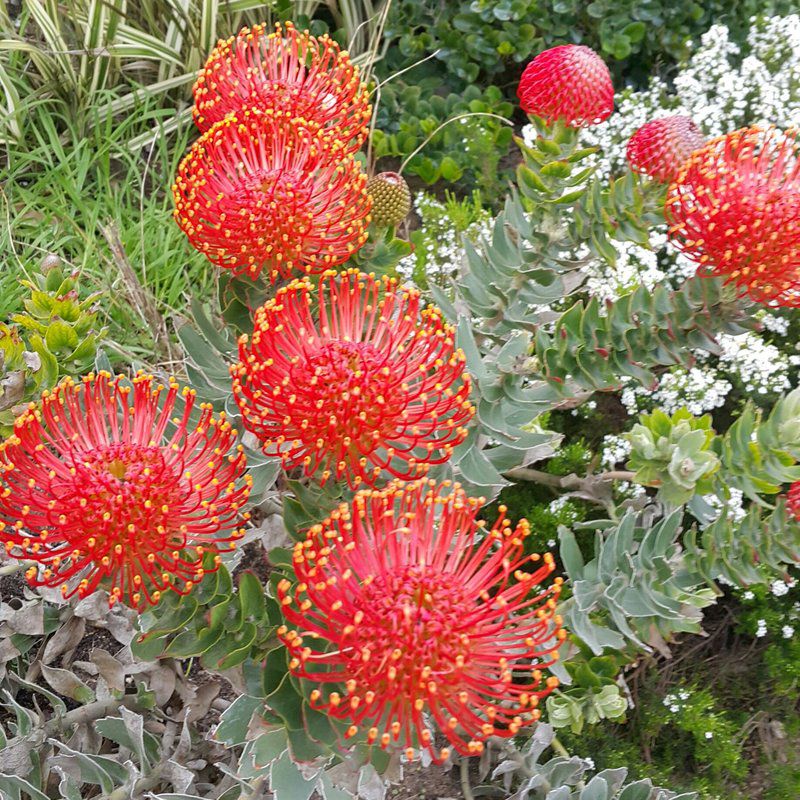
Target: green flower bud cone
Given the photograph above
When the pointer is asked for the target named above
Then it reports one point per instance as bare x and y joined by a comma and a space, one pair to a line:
391, 199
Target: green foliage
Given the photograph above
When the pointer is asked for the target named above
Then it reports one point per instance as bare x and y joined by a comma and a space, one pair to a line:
771, 613
70, 194
466, 149
636, 590
221, 626
591, 695
758, 455
687, 736
55, 336
563, 778
674, 454
480, 39
437, 240
520, 370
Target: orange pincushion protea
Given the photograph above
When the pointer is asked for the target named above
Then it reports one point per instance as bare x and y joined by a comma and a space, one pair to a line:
263, 191
569, 83
373, 382
407, 609
102, 486
660, 147
286, 70
735, 209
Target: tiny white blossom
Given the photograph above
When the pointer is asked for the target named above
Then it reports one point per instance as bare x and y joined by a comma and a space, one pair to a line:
787, 631
761, 630
779, 588
709, 734
748, 595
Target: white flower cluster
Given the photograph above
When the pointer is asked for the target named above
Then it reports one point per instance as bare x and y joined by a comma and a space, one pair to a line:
676, 701
733, 508
760, 366
779, 588
636, 266
615, 449
699, 390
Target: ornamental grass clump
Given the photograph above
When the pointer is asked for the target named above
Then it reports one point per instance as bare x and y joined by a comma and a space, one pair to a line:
352, 378
285, 70
734, 208
407, 610
121, 485
263, 191
569, 84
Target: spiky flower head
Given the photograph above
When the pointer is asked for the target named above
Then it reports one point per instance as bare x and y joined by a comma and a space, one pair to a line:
263, 191
352, 378
286, 70
569, 83
407, 611
735, 209
391, 198
660, 147
105, 488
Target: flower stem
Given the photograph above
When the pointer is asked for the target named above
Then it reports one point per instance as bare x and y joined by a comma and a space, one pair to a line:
466, 789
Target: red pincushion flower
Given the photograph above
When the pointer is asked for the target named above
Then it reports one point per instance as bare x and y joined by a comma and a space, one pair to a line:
735, 209
306, 76
376, 383
660, 147
569, 83
102, 485
407, 608
265, 191
793, 500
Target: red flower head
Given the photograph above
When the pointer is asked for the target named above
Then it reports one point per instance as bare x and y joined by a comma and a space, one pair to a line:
285, 70
265, 191
376, 383
660, 147
408, 610
570, 83
103, 485
735, 209
793, 500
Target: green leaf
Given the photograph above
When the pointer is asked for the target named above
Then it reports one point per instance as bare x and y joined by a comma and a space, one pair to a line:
235, 720
449, 169
287, 782
251, 597
570, 554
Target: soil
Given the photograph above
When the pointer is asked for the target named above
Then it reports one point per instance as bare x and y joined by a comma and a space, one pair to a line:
254, 559
427, 783
12, 587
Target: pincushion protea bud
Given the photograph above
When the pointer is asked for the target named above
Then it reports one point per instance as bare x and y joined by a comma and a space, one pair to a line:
265, 191
793, 500
286, 70
660, 147
408, 611
735, 209
391, 199
103, 486
374, 383
569, 83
